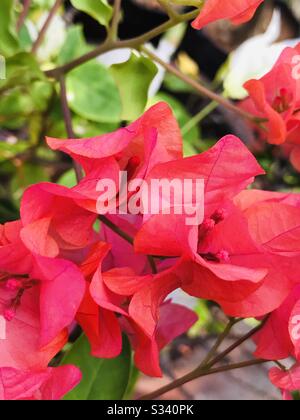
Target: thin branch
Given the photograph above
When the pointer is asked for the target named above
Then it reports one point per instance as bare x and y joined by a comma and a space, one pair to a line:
113, 31
165, 4
237, 344
108, 45
232, 322
68, 121
116, 229
196, 120
207, 369
46, 25
23, 15
197, 375
202, 90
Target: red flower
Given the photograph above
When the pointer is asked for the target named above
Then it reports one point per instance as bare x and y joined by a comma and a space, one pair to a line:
152, 139
245, 254
104, 314
49, 384
237, 11
57, 283
276, 98
280, 337
287, 381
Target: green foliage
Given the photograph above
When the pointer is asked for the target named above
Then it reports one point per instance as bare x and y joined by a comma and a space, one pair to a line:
133, 79
103, 379
92, 93
100, 10
8, 37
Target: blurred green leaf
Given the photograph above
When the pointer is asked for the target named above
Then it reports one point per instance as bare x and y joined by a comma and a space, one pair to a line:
174, 84
9, 150
74, 45
68, 179
100, 10
8, 38
84, 128
103, 379
134, 377
92, 93
21, 70
204, 318
133, 79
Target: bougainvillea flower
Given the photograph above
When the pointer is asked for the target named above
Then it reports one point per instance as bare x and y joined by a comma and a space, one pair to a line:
276, 98
280, 337
104, 315
53, 222
59, 282
152, 139
287, 381
237, 11
20, 338
248, 270
274, 228
174, 320
47, 385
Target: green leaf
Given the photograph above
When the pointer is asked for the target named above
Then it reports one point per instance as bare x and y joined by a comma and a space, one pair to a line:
133, 79
74, 45
103, 379
92, 93
68, 179
21, 69
8, 37
100, 10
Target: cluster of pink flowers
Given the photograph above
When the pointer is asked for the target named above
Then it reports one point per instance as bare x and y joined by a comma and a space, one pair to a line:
56, 267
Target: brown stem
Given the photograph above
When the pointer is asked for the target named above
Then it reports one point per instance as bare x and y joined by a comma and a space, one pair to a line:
202, 90
232, 322
23, 15
46, 25
109, 45
197, 375
68, 121
235, 345
113, 32
205, 370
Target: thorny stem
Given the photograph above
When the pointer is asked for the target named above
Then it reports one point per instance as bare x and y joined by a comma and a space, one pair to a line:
23, 14
206, 369
46, 25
